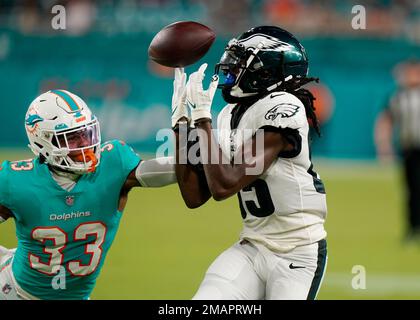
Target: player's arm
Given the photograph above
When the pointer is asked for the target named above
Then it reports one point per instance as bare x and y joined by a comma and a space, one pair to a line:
153, 173
5, 213
157, 172
191, 182
161, 172
224, 179
383, 136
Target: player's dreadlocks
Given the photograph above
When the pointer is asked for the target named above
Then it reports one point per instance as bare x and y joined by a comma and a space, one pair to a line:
294, 87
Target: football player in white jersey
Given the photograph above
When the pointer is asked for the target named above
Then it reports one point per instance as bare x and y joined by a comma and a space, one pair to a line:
281, 253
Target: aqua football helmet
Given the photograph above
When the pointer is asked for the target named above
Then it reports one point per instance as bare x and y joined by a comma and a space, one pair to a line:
62, 129
259, 61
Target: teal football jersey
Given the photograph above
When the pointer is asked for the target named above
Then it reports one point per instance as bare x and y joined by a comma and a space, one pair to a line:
64, 233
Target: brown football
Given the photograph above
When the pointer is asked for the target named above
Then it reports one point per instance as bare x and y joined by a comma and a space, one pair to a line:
181, 44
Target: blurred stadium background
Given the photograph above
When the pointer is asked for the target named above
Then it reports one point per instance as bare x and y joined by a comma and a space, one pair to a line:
163, 249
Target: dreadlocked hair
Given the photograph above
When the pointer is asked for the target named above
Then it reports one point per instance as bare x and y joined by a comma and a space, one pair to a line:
294, 86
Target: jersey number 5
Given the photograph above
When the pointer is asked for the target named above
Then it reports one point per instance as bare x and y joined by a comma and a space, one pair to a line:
260, 203
60, 240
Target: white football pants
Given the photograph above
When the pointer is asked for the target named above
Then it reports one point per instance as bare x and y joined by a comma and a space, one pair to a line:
249, 272
9, 290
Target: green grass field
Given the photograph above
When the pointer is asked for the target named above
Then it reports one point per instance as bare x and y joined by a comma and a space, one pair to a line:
163, 249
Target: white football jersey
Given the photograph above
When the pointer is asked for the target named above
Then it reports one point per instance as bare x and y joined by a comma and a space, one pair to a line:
286, 206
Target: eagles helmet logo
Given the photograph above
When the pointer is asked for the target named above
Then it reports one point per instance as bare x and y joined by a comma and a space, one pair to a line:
284, 110
270, 43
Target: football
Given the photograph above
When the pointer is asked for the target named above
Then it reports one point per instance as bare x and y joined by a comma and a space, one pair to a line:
181, 44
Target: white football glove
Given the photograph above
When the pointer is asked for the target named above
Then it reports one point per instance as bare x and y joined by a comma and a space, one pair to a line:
199, 100
179, 107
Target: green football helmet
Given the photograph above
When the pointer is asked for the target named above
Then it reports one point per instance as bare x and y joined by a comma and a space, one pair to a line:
261, 60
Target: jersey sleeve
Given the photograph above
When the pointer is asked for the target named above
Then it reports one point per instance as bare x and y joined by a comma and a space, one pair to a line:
280, 110
4, 185
129, 158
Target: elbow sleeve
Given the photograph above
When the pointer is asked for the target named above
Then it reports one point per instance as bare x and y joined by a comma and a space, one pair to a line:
157, 172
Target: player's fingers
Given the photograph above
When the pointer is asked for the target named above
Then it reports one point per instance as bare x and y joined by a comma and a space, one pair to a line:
198, 76
184, 88
183, 95
178, 73
201, 71
193, 77
178, 80
196, 81
213, 86
188, 90
184, 79
182, 104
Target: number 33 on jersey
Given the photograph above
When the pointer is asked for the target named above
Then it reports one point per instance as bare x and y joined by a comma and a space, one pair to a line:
60, 230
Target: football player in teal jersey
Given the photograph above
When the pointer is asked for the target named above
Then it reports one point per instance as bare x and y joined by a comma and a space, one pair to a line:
67, 202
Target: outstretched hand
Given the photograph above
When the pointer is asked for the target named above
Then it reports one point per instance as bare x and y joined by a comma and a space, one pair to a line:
179, 107
199, 100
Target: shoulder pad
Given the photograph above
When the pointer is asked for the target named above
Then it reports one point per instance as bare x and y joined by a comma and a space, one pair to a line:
281, 110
